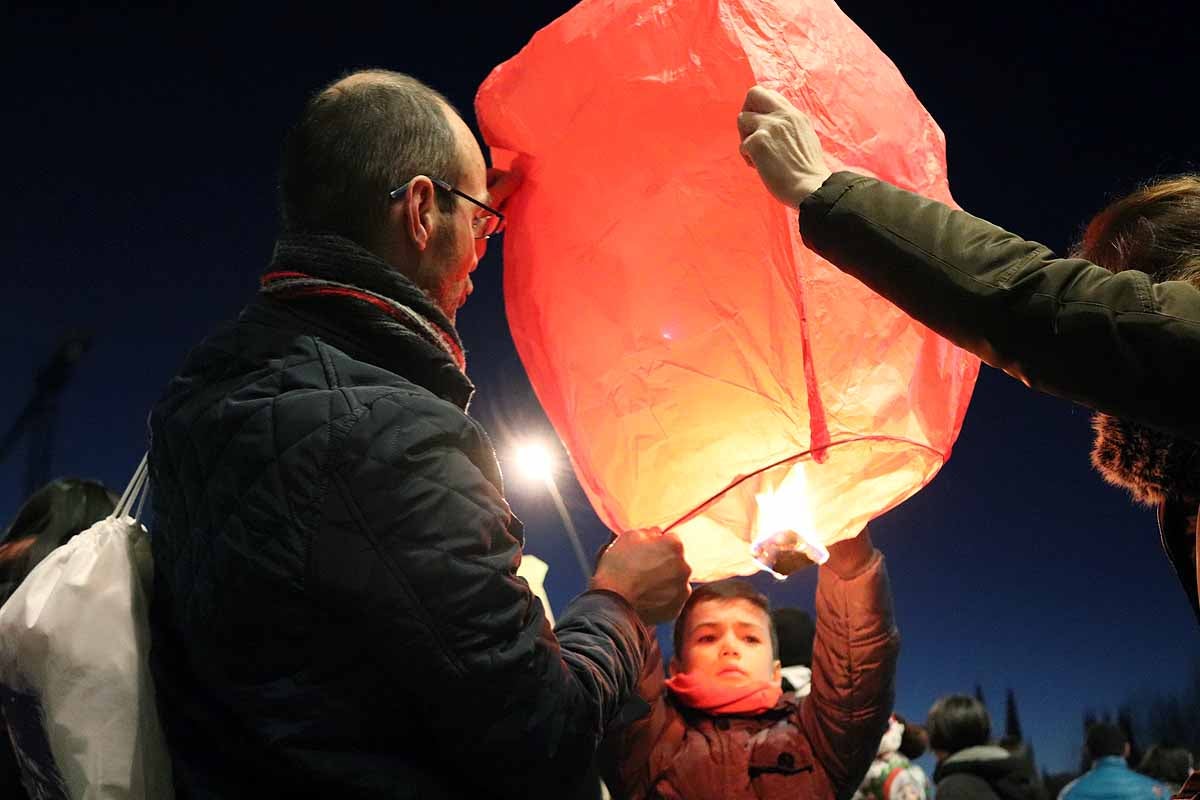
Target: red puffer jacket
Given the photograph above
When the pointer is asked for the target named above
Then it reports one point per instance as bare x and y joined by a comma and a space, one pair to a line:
814, 747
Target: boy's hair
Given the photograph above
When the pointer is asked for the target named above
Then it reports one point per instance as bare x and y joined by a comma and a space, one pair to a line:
731, 589
957, 722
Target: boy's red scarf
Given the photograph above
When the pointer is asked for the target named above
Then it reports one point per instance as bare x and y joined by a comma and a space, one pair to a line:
704, 694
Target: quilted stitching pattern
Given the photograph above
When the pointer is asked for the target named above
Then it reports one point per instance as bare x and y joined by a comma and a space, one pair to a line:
335, 603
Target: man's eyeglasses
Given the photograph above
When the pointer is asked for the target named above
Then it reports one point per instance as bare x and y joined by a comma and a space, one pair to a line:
482, 226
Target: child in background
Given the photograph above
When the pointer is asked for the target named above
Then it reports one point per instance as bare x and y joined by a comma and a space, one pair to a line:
892, 776
795, 629
721, 726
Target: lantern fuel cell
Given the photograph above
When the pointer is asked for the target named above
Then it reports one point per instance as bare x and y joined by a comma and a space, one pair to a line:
691, 352
787, 552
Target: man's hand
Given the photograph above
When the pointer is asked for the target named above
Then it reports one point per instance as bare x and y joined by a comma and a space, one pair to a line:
780, 143
850, 557
646, 567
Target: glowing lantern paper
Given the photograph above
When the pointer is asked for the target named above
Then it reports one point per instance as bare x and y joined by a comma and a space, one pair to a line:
706, 372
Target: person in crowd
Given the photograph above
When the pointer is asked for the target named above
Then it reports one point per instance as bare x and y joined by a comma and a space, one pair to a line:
914, 739
1168, 765
1055, 782
795, 630
336, 607
969, 765
1114, 328
1191, 787
55, 513
721, 726
892, 775
1110, 777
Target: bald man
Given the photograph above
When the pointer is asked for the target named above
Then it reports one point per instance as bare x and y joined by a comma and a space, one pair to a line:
337, 611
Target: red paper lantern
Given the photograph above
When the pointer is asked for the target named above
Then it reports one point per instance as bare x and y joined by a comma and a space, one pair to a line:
706, 372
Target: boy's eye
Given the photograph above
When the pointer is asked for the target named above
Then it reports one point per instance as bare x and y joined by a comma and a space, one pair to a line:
705, 638
753, 639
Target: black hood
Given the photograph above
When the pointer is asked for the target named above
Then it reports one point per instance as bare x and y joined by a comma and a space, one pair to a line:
1011, 777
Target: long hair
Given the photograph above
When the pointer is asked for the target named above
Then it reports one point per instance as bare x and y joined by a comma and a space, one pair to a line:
55, 513
1154, 229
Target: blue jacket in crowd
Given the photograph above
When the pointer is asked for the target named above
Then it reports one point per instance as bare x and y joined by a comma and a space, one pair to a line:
1110, 778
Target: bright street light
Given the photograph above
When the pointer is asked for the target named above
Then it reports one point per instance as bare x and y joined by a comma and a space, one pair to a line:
535, 462
536, 465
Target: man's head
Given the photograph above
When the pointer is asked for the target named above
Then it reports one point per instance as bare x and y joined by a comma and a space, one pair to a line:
956, 722
1167, 764
1105, 739
362, 137
724, 633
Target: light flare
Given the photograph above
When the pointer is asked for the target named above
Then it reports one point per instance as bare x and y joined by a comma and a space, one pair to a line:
535, 462
783, 525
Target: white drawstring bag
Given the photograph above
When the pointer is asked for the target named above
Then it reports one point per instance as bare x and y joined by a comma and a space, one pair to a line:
74, 666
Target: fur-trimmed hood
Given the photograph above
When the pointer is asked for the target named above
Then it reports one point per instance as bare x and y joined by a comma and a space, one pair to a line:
1150, 464
1160, 470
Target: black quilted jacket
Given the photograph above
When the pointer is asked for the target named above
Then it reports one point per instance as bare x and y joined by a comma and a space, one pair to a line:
336, 612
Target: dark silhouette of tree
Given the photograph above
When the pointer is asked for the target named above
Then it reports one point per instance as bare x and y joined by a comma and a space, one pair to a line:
1125, 723
1013, 739
1173, 719
1012, 722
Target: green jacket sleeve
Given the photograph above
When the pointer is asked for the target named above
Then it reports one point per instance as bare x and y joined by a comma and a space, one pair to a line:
1118, 343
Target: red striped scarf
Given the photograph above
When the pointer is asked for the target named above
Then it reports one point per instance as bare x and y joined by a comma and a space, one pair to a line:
290, 283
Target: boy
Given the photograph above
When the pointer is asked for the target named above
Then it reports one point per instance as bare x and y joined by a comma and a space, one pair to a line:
724, 729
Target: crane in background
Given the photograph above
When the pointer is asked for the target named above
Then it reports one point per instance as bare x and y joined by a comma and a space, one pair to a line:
36, 422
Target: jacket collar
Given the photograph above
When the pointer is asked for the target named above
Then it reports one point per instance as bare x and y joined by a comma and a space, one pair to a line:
361, 329
1179, 529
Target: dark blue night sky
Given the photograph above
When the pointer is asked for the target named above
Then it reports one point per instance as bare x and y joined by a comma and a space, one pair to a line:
139, 205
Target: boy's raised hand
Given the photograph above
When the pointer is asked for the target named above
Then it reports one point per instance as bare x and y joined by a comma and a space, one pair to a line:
850, 557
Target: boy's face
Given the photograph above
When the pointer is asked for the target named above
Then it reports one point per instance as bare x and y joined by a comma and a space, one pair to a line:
729, 642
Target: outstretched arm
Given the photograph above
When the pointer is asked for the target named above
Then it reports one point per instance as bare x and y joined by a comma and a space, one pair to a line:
1065, 326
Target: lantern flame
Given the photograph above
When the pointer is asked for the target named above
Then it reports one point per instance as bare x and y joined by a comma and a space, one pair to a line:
784, 525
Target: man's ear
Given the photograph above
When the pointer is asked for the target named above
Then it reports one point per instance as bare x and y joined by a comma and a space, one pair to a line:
416, 211
675, 667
